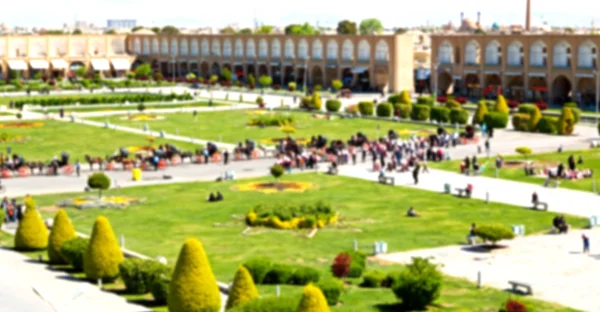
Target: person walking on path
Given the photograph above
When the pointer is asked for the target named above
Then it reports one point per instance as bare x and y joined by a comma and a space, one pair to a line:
416, 173
78, 167
586, 243
487, 148
225, 157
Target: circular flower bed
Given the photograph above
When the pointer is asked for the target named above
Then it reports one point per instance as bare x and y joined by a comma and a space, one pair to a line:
275, 187
257, 112
8, 138
103, 202
301, 141
138, 149
143, 117
21, 125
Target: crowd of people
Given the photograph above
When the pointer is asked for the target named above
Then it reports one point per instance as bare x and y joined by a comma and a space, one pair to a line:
560, 172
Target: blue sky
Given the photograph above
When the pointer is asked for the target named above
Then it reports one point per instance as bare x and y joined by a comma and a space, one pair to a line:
195, 13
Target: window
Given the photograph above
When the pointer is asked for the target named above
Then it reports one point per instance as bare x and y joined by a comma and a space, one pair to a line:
205, 48
332, 50
303, 49
137, 47
227, 48
155, 48
515, 54
493, 55
347, 50
445, 53
164, 47
289, 49
364, 51
472, 53
586, 56
381, 51
194, 48
239, 48
537, 56
263, 48
317, 50
250, 49
275, 49
216, 48
562, 54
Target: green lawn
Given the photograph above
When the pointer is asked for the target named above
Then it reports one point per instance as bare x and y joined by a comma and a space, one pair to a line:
6, 100
42, 143
84, 109
591, 160
232, 126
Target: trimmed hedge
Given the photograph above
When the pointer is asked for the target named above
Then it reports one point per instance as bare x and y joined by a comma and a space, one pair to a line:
402, 110
453, 104
459, 116
479, 116
493, 233
312, 300
270, 304
373, 279
358, 264
419, 285
548, 125
534, 116
575, 110
366, 108
333, 106
74, 250
420, 112
304, 275
440, 114
332, 290
426, 100
385, 109
258, 268
103, 255
280, 273
132, 276
243, 289
62, 231
496, 120
104, 99
32, 233
566, 122
521, 121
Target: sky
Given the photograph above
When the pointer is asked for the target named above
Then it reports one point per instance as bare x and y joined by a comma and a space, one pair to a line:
220, 13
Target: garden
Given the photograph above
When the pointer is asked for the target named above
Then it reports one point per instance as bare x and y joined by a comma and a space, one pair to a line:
88, 99
364, 213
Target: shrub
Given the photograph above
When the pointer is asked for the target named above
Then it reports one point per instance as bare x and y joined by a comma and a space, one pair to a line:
341, 265
159, 286
277, 171
32, 233
459, 116
289, 216
384, 109
332, 290
391, 278
521, 121
317, 103
373, 279
333, 105
259, 100
103, 255
501, 106
258, 268
312, 300
318, 87
480, 113
366, 108
440, 114
513, 305
575, 110
523, 150
542, 105
74, 251
420, 112
358, 264
2, 217
280, 273
193, 285
19, 115
141, 107
304, 275
426, 100
275, 120
291, 86
496, 120
242, 290
566, 122
493, 233
402, 110
419, 285
394, 99
62, 231
265, 81
453, 104
548, 125
405, 97
131, 272
98, 181
336, 84
534, 116
279, 304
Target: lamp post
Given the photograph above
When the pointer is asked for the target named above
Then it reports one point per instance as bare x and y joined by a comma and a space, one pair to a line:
597, 75
306, 73
435, 78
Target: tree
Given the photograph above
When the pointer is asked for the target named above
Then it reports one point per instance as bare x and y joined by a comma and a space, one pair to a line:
169, 30
264, 30
80, 71
77, 32
291, 86
143, 70
62, 231
98, 181
103, 255
111, 32
336, 84
501, 105
226, 75
251, 80
566, 122
371, 26
156, 30
277, 171
317, 103
32, 233
346, 27
214, 79
480, 113
493, 233
419, 285
242, 290
401, 31
300, 29
312, 300
193, 286
524, 150
265, 81
227, 31
136, 28
405, 97
245, 31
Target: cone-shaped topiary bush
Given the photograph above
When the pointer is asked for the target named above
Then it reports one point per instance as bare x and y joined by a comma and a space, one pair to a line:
32, 233
62, 231
501, 106
103, 255
243, 289
479, 115
193, 286
312, 300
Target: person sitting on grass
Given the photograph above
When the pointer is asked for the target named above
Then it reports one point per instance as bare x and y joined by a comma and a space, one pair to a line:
412, 213
471, 236
219, 196
560, 224
211, 198
469, 190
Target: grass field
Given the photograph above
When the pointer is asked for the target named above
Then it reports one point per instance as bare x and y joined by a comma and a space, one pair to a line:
6, 100
590, 157
42, 143
76, 109
232, 126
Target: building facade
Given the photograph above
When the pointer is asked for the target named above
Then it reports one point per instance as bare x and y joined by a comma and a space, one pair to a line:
527, 67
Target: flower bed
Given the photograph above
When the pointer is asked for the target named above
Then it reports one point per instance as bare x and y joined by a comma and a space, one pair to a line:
258, 112
275, 187
137, 149
142, 117
275, 120
104, 202
301, 141
8, 138
104, 99
21, 125
290, 216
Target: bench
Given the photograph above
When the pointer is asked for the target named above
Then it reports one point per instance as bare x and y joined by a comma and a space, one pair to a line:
538, 204
460, 192
515, 285
387, 180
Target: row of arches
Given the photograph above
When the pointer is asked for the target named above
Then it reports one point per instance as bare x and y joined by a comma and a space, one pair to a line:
515, 56
239, 49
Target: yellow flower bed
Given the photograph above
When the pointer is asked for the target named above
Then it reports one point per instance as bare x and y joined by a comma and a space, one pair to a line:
104, 202
258, 112
301, 141
21, 125
145, 117
137, 149
293, 224
270, 187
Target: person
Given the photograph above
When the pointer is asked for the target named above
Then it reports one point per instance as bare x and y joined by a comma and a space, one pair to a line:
411, 212
560, 171
467, 164
571, 162
416, 173
487, 148
211, 197
483, 129
219, 196
471, 236
78, 167
469, 190
225, 157
586, 243
535, 200
580, 160
560, 148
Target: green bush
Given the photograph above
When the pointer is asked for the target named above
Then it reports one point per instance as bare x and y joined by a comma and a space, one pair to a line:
480, 113
280, 273
159, 287
317, 103
493, 233
373, 279
74, 250
303, 275
242, 290
358, 264
333, 106
459, 116
268, 120
391, 278
394, 99
402, 110
2, 216
566, 122
496, 120
405, 97
440, 114
501, 105
548, 125
103, 255
306, 102
366, 108
130, 271
32, 233
312, 300
426, 100
259, 100
270, 304
520, 121
384, 109
258, 268
103, 99
575, 110
453, 104
98, 181
523, 150
420, 112
277, 171
419, 285
534, 116
332, 289
62, 231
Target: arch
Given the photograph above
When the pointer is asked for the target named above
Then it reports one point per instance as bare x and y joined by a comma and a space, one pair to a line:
472, 53
473, 85
251, 70
332, 49
204, 70
348, 50
174, 47
238, 49
263, 70
227, 48
289, 75
586, 55
215, 69
493, 53
381, 77
562, 55
183, 47
303, 49
275, 48
216, 48
586, 87
445, 53
515, 54
317, 75
263, 48
561, 90
493, 81
364, 51
205, 47
155, 47
317, 50
250, 48
137, 46
164, 46
516, 87
537, 55
444, 82
194, 48
146, 47
289, 49
381, 51
75, 65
